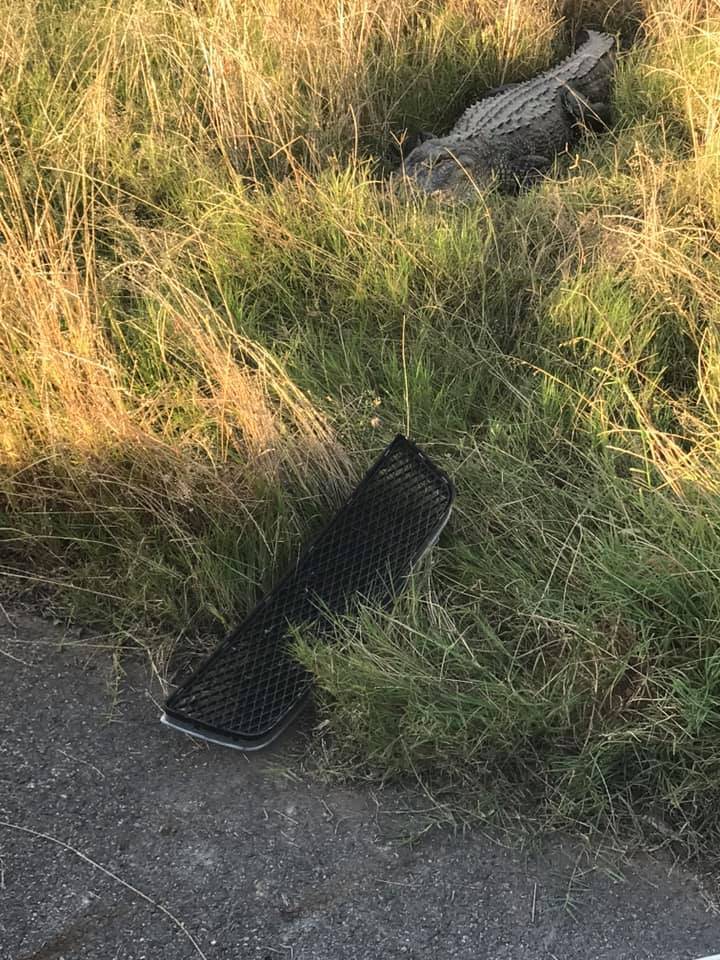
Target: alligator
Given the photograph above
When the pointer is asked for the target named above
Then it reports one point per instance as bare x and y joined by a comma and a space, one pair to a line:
515, 131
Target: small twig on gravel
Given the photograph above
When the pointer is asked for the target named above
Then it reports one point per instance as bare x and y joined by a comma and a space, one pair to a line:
108, 873
393, 883
7, 616
25, 663
86, 762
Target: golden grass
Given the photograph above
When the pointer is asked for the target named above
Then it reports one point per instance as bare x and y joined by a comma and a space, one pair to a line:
267, 89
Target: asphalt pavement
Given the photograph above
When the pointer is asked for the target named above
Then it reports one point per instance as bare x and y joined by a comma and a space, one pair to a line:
121, 839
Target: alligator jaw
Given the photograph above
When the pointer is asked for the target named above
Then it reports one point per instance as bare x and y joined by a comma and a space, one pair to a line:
438, 167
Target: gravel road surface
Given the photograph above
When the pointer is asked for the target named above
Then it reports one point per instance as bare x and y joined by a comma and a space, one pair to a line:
205, 852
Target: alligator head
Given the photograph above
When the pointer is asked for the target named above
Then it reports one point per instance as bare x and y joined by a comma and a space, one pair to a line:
436, 166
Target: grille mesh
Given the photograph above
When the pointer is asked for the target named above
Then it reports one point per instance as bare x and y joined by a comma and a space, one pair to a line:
251, 686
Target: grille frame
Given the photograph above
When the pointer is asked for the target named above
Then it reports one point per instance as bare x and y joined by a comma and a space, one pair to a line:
183, 713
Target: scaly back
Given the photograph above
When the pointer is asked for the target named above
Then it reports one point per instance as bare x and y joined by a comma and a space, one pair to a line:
587, 71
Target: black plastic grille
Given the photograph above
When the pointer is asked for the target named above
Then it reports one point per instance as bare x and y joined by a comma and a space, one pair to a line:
250, 685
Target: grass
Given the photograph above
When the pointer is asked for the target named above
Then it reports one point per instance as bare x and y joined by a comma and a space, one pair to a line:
212, 316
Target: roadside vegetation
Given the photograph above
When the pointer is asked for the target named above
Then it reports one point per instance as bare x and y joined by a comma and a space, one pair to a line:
213, 316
